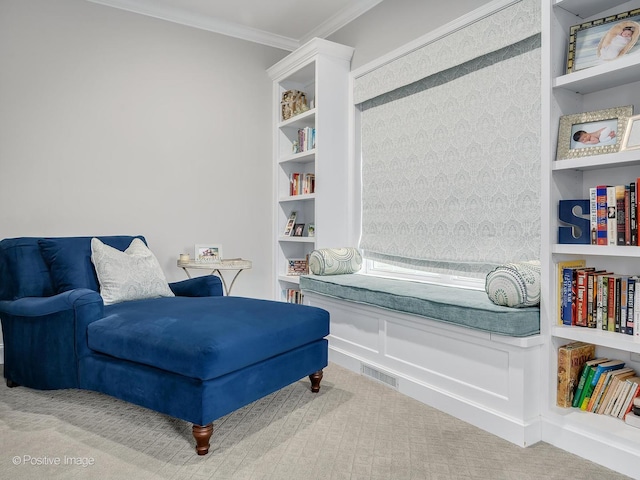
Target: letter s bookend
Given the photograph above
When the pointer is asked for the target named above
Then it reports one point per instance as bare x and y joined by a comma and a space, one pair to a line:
578, 231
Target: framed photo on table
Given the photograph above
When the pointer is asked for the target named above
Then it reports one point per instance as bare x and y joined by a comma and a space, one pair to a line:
604, 40
592, 133
208, 253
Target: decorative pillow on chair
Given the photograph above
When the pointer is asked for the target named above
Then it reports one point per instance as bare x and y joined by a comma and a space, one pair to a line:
134, 274
335, 261
515, 284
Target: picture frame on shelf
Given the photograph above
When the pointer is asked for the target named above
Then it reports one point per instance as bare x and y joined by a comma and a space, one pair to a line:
592, 133
603, 40
298, 229
631, 139
208, 253
288, 229
311, 232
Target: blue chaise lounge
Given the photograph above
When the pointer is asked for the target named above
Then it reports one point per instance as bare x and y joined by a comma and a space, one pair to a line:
196, 356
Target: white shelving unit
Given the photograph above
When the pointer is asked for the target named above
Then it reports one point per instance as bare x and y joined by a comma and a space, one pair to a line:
600, 438
320, 69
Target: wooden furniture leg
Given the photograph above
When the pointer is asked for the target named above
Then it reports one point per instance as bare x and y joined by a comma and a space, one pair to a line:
202, 436
315, 381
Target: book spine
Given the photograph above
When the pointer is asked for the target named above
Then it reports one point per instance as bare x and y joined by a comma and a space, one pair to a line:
620, 214
601, 198
612, 222
605, 302
627, 215
571, 361
624, 301
587, 390
611, 304
633, 213
581, 384
631, 298
581, 298
591, 319
566, 296
593, 215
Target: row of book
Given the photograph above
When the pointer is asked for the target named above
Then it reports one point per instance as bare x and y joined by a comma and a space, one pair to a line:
614, 214
306, 140
598, 298
596, 384
302, 183
293, 296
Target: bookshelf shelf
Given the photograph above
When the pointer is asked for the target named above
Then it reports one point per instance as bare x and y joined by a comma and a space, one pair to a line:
595, 250
628, 158
297, 198
600, 438
320, 69
297, 239
289, 279
304, 157
603, 338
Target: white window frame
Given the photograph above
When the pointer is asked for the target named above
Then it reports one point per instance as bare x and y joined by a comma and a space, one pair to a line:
381, 269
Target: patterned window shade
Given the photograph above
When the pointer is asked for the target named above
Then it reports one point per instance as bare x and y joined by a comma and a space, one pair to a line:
451, 165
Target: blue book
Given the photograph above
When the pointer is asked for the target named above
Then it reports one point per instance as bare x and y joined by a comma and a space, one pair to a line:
605, 367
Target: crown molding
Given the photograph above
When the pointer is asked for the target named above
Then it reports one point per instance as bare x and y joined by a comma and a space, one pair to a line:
340, 19
184, 17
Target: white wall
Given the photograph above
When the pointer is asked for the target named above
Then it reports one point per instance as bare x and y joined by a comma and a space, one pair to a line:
118, 123
393, 23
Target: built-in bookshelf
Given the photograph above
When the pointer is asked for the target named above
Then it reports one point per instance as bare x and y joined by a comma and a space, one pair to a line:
310, 155
601, 438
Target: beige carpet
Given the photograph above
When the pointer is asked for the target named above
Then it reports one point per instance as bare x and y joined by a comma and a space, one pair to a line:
353, 429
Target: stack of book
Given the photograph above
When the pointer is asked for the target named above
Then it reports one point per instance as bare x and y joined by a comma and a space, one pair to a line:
633, 417
603, 386
302, 183
593, 298
293, 296
614, 214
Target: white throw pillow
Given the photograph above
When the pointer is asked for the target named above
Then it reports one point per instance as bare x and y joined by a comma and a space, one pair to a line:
335, 261
134, 274
515, 284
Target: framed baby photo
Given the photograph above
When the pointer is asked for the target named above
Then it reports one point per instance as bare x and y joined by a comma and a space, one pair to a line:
592, 133
604, 40
208, 253
631, 139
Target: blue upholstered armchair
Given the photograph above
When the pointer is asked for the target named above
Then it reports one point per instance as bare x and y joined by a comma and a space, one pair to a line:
44, 329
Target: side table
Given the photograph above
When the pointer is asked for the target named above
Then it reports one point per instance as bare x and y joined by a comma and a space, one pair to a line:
237, 264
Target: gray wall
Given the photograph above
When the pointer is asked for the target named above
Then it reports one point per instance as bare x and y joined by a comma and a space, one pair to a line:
393, 23
118, 123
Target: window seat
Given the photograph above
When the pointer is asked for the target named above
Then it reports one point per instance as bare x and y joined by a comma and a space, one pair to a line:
463, 307
450, 348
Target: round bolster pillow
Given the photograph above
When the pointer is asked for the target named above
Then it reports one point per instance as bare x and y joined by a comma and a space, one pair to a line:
515, 284
335, 261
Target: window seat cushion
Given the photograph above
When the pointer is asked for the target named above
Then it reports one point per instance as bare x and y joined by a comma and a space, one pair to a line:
463, 307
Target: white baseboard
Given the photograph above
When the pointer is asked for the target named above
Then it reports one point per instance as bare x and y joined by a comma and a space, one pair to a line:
503, 426
606, 451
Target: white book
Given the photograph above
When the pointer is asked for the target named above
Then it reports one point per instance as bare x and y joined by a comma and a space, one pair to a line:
633, 420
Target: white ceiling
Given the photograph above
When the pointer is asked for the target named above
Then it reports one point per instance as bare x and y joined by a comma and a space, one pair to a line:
285, 24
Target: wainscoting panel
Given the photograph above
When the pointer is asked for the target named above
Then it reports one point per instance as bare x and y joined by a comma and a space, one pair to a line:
487, 380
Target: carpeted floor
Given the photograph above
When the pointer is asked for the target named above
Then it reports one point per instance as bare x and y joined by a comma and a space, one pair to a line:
353, 429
